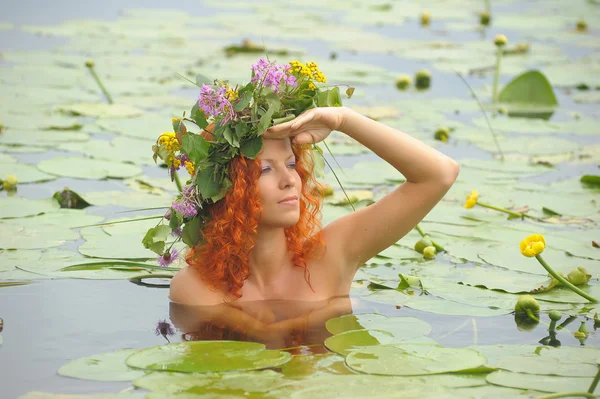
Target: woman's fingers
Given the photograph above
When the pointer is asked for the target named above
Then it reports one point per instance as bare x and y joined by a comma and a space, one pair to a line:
302, 119
303, 138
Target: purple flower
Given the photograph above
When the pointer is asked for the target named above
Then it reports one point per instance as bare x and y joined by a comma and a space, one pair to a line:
272, 75
214, 103
176, 232
165, 329
168, 257
186, 205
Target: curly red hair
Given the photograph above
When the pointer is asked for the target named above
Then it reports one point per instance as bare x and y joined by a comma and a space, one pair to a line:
223, 256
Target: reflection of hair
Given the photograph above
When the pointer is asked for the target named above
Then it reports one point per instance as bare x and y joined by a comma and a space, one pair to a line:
222, 258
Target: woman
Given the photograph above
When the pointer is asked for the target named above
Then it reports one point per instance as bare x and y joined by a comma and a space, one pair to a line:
274, 265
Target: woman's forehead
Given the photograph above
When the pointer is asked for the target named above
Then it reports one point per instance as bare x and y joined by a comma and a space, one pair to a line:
276, 149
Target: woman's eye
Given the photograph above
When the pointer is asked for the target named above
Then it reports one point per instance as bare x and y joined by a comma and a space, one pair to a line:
293, 165
263, 170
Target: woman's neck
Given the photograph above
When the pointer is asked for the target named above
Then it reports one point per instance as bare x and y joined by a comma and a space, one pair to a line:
269, 257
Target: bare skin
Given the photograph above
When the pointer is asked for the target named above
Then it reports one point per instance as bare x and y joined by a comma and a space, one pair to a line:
350, 240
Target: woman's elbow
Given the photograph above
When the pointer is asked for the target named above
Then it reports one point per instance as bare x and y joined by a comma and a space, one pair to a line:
450, 172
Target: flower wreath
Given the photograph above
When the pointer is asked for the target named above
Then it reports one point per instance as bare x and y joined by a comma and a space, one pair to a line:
238, 117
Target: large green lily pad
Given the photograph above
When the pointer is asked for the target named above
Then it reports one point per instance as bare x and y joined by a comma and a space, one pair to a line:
232, 383
16, 236
208, 356
18, 207
345, 342
101, 110
25, 173
366, 321
83, 168
408, 360
544, 383
103, 367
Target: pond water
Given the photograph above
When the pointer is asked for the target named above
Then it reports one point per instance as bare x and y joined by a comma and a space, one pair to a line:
462, 298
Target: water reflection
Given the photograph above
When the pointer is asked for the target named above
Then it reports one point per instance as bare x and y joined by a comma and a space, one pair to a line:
276, 323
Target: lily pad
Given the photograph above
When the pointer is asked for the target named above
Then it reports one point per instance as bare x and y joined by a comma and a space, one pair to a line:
101, 110
16, 236
408, 360
40, 138
83, 168
17, 207
208, 356
346, 342
231, 383
103, 367
411, 326
25, 173
544, 383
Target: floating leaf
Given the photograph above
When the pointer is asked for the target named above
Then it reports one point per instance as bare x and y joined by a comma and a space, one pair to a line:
208, 356
101, 110
527, 94
398, 359
83, 168
544, 383
103, 367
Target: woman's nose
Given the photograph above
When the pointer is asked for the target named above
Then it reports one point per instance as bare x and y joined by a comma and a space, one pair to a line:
287, 178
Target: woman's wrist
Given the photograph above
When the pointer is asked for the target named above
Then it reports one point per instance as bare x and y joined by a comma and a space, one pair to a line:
345, 114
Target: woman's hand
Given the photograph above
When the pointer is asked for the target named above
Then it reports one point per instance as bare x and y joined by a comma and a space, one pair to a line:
311, 126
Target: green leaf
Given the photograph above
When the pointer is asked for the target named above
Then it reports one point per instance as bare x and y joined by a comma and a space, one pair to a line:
329, 98
208, 356
190, 234
231, 137
207, 183
176, 125
550, 212
531, 92
198, 116
251, 147
274, 106
350, 92
195, 147
405, 360
243, 101
103, 367
155, 238
591, 180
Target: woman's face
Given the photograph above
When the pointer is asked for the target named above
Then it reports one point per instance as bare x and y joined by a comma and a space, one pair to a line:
278, 181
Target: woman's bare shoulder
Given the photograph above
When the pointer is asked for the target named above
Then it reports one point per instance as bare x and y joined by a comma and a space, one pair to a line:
188, 288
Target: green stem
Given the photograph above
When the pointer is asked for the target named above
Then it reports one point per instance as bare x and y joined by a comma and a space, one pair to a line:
565, 323
564, 281
484, 114
567, 395
496, 75
99, 82
177, 181
531, 315
437, 246
488, 7
592, 387
497, 208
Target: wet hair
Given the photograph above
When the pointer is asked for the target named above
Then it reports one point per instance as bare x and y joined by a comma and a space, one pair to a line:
228, 236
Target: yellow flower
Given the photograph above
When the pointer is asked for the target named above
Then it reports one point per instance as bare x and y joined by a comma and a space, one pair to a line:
189, 166
173, 120
533, 245
472, 199
10, 182
500, 40
312, 86
231, 94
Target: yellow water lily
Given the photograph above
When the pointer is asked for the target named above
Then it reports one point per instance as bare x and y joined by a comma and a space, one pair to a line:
533, 245
10, 182
472, 199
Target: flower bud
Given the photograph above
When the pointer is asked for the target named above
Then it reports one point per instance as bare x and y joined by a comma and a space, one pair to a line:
524, 322
500, 40
533, 245
581, 25
525, 303
89, 63
485, 18
10, 182
442, 134
579, 276
422, 244
423, 79
429, 252
583, 329
403, 82
579, 335
555, 315
425, 18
